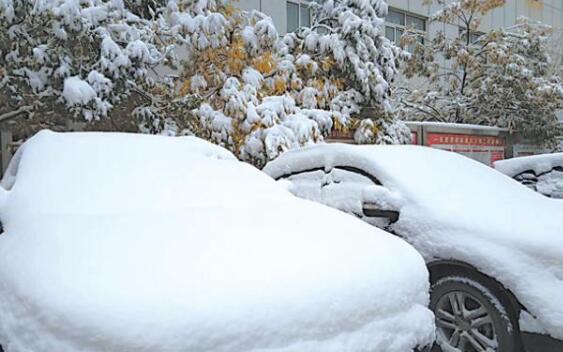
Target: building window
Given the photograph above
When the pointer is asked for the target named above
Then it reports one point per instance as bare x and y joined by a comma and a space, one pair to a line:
298, 15
474, 35
398, 21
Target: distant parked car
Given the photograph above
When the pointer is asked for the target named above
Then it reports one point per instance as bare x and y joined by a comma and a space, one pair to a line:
494, 248
542, 173
122, 243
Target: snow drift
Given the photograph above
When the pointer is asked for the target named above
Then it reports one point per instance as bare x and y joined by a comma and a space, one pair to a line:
118, 242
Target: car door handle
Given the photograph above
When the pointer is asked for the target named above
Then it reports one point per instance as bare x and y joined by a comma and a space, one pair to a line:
392, 215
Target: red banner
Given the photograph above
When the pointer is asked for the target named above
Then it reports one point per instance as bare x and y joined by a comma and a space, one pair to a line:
486, 149
464, 139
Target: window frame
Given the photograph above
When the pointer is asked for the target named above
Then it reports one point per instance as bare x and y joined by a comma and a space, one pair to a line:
301, 5
475, 35
326, 172
396, 27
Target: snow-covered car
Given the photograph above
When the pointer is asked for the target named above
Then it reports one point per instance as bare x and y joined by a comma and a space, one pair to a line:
119, 243
542, 173
494, 249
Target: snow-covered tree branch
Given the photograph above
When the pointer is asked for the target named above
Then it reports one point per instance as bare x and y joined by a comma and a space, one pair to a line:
500, 78
360, 60
263, 95
74, 59
233, 79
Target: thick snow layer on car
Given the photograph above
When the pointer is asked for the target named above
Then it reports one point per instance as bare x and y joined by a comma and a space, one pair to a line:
551, 184
542, 173
124, 243
452, 207
539, 164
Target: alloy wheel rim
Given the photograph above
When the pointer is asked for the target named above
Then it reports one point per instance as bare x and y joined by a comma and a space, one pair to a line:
464, 323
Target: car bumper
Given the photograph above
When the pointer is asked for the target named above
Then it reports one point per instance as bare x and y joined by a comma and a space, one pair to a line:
536, 342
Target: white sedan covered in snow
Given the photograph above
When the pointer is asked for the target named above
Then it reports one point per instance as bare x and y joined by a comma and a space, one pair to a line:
494, 248
123, 243
542, 173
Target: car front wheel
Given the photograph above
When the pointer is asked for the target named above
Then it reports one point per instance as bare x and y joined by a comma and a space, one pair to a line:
469, 318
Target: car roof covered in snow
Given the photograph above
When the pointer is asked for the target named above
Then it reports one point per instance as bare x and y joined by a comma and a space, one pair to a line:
452, 207
538, 164
81, 170
121, 243
448, 184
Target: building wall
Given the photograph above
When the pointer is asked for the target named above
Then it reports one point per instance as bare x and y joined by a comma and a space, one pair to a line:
277, 9
547, 11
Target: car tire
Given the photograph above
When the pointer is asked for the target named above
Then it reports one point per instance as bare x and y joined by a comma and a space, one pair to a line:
470, 318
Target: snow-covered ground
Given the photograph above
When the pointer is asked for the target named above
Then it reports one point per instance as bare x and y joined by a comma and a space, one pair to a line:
450, 207
119, 243
542, 173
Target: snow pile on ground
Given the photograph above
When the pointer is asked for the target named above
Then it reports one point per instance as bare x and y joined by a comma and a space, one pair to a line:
452, 207
146, 243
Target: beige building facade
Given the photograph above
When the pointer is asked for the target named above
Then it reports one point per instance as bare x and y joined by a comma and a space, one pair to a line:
288, 15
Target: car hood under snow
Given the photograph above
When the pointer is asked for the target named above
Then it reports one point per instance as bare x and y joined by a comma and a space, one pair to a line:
455, 208
123, 243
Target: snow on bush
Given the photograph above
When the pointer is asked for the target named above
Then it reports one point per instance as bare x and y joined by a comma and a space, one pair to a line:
235, 67
122, 243
77, 91
347, 58
52, 48
262, 95
245, 105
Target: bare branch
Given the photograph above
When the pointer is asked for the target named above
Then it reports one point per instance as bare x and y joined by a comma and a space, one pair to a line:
15, 113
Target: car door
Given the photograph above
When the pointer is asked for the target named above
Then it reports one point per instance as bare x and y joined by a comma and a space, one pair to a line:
550, 183
350, 190
359, 193
343, 188
307, 184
